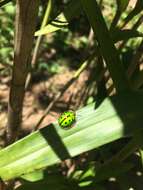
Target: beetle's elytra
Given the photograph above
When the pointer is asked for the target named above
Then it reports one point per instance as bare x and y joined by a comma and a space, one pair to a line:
67, 119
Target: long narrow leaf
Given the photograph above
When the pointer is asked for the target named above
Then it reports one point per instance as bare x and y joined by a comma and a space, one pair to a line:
53, 26
126, 34
96, 125
106, 44
66, 16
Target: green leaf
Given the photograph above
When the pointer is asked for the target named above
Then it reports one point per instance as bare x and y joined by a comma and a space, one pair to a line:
126, 34
51, 181
107, 47
100, 173
34, 176
58, 24
97, 172
96, 125
141, 155
64, 18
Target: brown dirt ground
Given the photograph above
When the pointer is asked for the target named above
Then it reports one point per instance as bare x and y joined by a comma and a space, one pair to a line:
40, 95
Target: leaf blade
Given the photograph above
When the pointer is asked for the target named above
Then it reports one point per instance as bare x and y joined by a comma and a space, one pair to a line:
115, 118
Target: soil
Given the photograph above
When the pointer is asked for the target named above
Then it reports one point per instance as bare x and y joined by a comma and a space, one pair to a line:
38, 97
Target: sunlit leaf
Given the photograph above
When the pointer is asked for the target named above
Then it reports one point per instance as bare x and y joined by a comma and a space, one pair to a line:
34, 176
55, 25
65, 17
114, 118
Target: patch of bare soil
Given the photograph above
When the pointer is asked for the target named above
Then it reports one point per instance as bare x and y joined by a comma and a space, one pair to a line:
40, 95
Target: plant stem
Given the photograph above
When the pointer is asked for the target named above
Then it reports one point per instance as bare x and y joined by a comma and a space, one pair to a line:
38, 42
25, 26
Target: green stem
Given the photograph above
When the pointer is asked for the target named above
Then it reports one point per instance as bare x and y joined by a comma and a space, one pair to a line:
39, 39
44, 22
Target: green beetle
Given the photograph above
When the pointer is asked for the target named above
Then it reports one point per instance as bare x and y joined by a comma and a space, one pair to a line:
67, 119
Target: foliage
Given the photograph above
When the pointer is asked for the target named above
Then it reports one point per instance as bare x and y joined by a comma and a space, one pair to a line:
107, 132
6, 33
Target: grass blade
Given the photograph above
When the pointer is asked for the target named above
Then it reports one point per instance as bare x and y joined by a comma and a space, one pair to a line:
108, 49
114, 118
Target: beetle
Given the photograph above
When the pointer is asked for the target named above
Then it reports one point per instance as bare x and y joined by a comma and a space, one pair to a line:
67, 119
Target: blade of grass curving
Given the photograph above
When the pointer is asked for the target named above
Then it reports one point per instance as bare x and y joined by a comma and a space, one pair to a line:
114, 118
107, 47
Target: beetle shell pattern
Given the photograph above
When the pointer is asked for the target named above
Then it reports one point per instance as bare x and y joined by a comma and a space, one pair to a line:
67, 119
